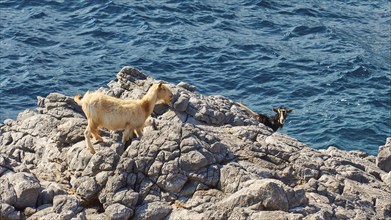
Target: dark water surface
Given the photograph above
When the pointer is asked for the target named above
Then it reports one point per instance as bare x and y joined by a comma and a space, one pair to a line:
328, 60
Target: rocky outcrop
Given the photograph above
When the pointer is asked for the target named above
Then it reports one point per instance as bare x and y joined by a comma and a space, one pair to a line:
384, 157
201, 158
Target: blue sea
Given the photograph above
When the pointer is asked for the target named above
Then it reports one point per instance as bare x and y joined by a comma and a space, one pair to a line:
330, 61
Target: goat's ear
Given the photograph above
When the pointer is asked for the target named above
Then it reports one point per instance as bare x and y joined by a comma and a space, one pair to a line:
274, 110
289, 110
160, 85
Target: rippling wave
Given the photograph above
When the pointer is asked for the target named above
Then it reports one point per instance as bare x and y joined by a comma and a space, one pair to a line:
328, 60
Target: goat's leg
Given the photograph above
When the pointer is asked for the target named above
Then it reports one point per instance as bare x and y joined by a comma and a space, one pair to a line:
127, 134
95, 134
94, 130
139, 132
87, 134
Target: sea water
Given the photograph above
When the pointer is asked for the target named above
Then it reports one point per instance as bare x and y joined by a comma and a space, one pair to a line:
330, 61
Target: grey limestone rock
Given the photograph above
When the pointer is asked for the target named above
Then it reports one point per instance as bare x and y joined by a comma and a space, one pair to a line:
202, 157
118, 212
383, 159
192, 160
49, 191
77, 157
387, 178
8, 212
265, 194
187, 86
25, 187
66, 205
182, 102
7, 192
153, 211
70, 131
86, 187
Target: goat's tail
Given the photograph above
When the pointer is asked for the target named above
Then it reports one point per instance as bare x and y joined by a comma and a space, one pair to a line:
77, 99
249, 111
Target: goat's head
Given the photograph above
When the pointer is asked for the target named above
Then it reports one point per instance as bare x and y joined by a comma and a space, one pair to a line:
164, 93
282, 113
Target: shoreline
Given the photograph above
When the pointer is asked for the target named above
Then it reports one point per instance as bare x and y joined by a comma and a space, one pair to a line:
206, 158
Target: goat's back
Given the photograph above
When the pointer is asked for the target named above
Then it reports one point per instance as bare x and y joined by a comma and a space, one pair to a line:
110, 112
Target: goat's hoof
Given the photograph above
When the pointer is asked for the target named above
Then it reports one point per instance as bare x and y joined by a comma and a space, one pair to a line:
92, 151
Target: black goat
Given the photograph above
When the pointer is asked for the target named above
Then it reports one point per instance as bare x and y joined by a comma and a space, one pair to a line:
275, 122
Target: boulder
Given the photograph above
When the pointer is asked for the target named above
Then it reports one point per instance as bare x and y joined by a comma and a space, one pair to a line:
118, 212
66, 205
152, 211
265, 194
20, 189
383, 160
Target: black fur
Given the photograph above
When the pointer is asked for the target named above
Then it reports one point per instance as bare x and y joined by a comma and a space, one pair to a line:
271, 122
